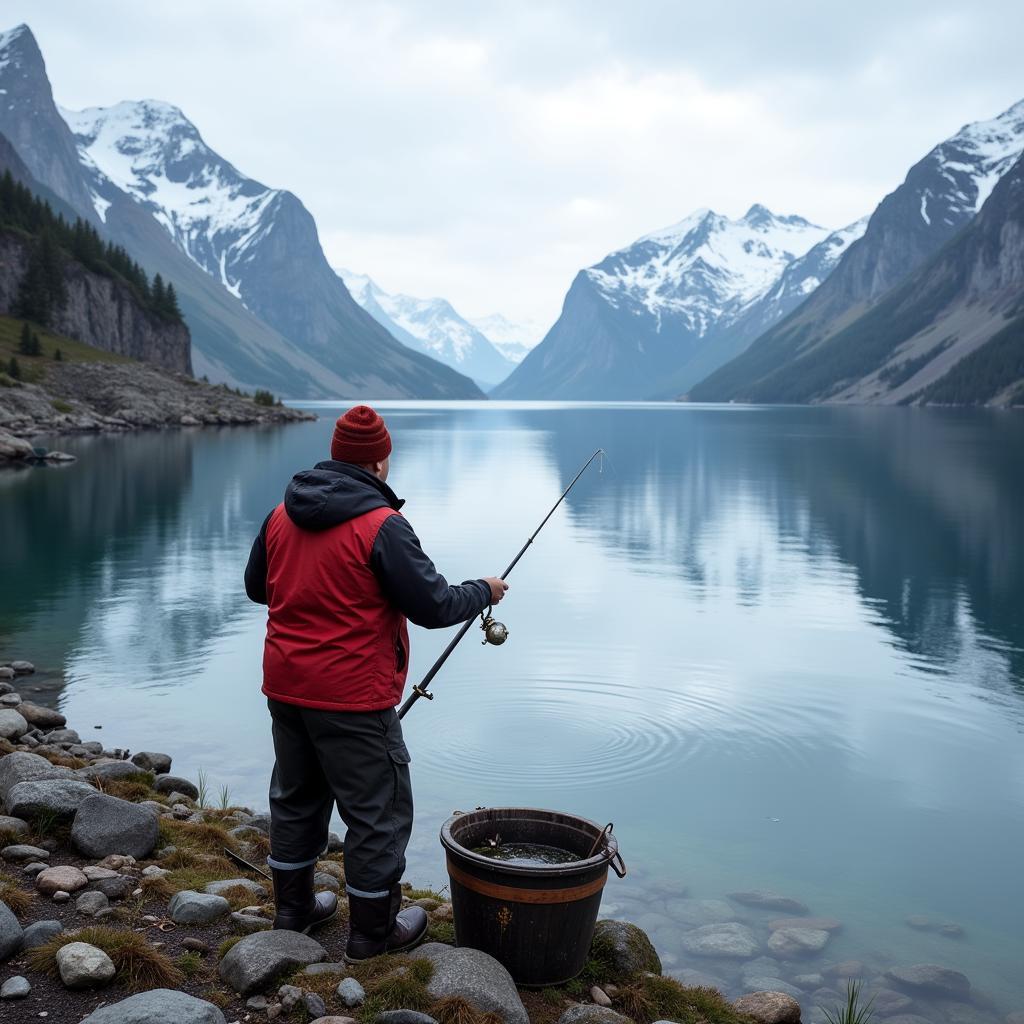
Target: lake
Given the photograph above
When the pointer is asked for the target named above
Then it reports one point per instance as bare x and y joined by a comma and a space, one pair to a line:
779, 648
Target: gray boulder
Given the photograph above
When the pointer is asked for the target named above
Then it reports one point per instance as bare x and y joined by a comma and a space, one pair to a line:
764, 899
769, 1007
174, 784
58, 796
189, 907
84, 966
10, 932
628, 946
40, 717
12, 725
23, 668
931, 978
474, 976
22, 853
61, 878
150, 761
91, 903
22, 766
39, 933
117, 888
403, 1017
249, 923
218, 888
351, 993
65, 736
105, 824
110, 771
251, 964
12, 826
160, 1006
726, 940
589, 1013
15, 988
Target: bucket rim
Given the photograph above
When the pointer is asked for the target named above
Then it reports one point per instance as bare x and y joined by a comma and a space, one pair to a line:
603, 857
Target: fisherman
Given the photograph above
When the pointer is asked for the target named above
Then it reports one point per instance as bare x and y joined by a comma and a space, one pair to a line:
341, 571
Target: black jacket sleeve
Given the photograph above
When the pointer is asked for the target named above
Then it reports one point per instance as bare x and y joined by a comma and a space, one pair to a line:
256, 570
411, 583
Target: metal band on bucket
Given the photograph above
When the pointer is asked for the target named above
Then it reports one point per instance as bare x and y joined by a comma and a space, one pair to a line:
512, 894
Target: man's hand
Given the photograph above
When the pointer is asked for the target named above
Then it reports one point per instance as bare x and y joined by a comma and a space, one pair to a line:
498, 588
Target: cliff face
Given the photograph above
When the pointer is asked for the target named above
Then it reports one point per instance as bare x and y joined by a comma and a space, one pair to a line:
100, 311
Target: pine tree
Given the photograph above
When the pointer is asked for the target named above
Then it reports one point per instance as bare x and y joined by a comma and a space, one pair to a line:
171, 307
158, 293
35, 347
25, 342
14, 369
58, 356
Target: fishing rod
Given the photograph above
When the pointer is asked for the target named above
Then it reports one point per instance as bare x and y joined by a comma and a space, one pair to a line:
494, 632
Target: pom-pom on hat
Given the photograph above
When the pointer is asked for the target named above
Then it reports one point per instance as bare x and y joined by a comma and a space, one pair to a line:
360, 437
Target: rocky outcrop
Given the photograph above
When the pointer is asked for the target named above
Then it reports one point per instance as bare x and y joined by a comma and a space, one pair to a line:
117, 397
101, 311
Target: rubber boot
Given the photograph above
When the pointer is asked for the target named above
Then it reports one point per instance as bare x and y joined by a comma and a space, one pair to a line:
299, 909
379, 925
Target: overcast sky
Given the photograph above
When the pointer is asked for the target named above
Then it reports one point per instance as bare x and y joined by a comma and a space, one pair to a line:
485, 151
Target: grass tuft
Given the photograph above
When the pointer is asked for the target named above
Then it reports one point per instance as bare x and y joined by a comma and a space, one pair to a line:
454, 1010
441, 931
392, 984
139, 966
650, 998
190, 963
19, 901
127, 789
225, 947
853, 1012
194, 836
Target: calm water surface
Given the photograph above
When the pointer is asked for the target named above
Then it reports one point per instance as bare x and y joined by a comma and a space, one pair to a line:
779, 648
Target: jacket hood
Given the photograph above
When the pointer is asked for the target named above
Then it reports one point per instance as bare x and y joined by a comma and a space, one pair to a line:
332, 493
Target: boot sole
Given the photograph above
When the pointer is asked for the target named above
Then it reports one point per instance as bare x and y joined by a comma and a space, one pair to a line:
312, 927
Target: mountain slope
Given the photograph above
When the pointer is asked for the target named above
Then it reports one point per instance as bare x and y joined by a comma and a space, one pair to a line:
512, 339
261, 244
952, 332
644, 312
433, 327
941, 194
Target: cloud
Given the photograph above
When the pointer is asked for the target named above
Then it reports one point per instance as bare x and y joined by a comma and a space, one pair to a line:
486, 152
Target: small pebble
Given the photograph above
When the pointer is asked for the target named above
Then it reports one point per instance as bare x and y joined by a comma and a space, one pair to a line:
60, 896
15, 988
315, 1006
198, 946
273, 1011
256, 1003
599, 996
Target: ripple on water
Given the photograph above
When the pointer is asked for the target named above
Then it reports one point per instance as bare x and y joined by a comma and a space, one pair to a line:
589, 731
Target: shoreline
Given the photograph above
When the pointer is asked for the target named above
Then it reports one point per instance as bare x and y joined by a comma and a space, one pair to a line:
111, 398
108, 848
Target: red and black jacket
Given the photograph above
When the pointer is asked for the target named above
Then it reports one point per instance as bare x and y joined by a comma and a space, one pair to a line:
341, 570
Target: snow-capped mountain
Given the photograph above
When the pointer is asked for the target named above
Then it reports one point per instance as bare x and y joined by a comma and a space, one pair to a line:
263, 307
433, 327
638, 317
940, 196
513, 339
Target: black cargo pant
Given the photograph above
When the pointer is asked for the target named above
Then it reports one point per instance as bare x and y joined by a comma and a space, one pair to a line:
357, 760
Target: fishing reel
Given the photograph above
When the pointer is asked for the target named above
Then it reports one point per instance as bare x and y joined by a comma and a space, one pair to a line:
495, 632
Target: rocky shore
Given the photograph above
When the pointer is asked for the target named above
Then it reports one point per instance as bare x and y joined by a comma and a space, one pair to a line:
119, 904
84, 397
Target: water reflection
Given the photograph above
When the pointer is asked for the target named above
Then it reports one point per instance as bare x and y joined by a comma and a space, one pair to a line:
778, 648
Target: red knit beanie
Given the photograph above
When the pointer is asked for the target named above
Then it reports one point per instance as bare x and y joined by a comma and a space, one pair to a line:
360, 437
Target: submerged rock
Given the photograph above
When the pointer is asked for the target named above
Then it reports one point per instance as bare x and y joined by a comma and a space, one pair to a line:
160, 1006
700, 912
726, 940
764, 899
796, 942
769, 1007
931, 978
630, 948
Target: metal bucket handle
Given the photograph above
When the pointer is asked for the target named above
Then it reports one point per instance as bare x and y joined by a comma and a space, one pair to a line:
620, 867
